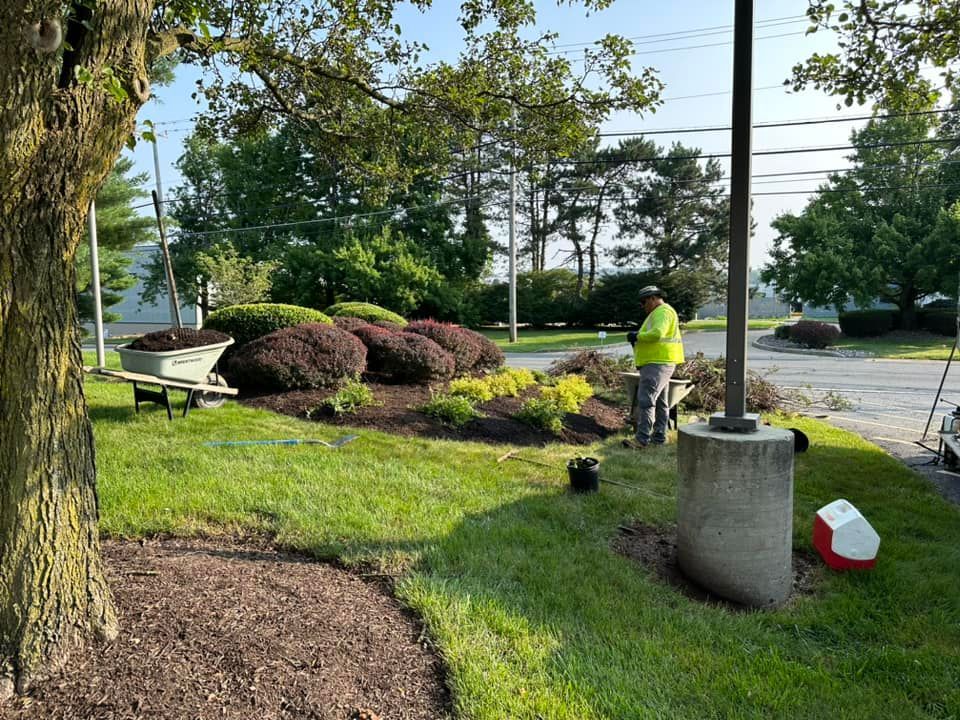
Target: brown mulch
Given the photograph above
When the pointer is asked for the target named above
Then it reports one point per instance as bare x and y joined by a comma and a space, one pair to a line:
597, 419
655, 548
221, 630
177, 339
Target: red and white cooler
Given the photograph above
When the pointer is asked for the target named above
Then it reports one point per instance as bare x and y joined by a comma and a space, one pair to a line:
844, 538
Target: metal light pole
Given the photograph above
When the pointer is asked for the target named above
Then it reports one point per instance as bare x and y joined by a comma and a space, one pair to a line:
95, 284
735, 416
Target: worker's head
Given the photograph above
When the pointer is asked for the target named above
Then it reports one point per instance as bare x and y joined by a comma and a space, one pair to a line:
650, 297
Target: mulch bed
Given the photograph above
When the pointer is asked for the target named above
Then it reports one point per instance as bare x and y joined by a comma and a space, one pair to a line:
596, 420
655, 548
222, 630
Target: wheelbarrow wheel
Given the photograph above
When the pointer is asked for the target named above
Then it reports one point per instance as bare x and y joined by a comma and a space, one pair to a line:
207, 399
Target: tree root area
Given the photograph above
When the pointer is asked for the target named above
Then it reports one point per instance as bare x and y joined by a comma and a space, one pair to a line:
655, 549
223, 630
396, 413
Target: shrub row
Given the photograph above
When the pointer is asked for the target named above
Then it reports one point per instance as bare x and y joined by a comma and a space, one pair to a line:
870, 323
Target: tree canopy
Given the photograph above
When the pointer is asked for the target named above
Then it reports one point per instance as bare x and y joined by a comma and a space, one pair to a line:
886, 48
884, 230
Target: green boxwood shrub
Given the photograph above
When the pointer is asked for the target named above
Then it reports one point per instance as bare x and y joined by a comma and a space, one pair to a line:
813, 334
248, 322
782, 332
868, 323
306, 356
364, 311
942, 322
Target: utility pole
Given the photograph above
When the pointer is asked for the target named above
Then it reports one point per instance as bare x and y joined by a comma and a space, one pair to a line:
95, 284
168, 268
513, 230
735, 416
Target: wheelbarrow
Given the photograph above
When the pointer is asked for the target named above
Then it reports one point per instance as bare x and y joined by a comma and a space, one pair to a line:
677, 390
190, 369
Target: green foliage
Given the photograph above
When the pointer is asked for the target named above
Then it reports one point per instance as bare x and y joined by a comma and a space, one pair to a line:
885, 48
474, 389
245, 323
868, 323
614, 301
237, 280
884, 230
542, 413
349, 398
782, 332
543, 298
569, 393
386, 267
365, 311
942, 322
455, 410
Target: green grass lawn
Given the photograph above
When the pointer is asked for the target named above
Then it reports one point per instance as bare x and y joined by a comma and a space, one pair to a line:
719, 324
904, 346
534, 615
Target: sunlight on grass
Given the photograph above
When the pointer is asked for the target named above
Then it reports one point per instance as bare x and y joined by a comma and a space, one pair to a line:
534, 615
922, 347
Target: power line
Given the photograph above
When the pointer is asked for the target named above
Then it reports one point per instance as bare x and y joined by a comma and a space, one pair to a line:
775, 124
354, 216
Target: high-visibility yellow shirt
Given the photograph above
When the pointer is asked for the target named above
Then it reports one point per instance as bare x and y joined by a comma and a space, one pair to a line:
659, 338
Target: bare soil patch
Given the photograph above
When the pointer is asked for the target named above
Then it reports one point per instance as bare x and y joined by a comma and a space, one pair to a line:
655, 548
597, 419
240, 631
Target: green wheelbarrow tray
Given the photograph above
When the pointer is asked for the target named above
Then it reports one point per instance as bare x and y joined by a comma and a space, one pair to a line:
678, 389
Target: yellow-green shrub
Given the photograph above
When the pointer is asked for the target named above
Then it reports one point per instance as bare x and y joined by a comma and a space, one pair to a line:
502, 385
569, 394
475, 389
522, 377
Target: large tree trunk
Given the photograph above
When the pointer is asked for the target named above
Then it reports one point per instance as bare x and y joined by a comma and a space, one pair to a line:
58, 141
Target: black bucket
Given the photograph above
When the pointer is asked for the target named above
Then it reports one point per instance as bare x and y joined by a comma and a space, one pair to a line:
584, 474
800, 441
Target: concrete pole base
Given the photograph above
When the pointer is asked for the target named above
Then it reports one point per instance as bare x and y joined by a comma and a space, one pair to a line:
735, 512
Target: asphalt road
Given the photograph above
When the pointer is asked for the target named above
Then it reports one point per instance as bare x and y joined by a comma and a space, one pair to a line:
889, 400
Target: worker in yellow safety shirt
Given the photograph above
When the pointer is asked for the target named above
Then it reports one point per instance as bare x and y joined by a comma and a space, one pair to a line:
657, 352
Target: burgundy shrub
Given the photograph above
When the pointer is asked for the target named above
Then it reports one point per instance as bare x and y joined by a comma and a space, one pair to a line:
452, 338
387, 325
350, 324
305, 356
814, 334
408, 358
491, 356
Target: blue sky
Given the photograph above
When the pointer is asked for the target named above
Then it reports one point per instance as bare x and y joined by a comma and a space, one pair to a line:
695, 63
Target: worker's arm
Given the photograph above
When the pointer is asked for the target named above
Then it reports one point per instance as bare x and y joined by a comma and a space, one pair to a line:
655, 328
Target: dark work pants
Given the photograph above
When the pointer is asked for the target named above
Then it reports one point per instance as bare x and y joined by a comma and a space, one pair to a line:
653, 407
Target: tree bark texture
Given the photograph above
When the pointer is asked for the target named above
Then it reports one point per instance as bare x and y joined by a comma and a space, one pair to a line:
58, 140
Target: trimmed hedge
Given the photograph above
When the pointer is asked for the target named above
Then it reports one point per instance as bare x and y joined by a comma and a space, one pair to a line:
813, 334
306, 356
868, 323
491, 356
365, 311
942, 322
408, 357
350, 324
367, 333
245, 323
782, 332
463, 346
